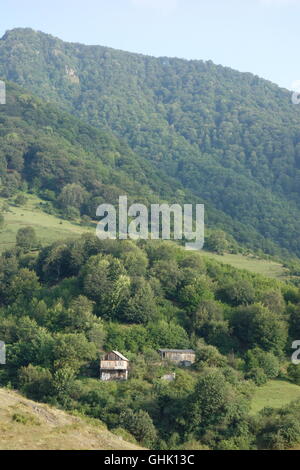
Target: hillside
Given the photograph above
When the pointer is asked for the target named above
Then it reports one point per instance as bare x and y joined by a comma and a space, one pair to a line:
27, 425
63, 306
251, 263
46, 149
48, 228
228, 139
83, 125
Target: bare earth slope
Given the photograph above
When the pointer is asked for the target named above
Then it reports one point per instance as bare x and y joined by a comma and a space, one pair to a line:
27, 425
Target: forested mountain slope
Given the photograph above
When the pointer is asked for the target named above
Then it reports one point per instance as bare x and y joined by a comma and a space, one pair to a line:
108, 123
230, 139
46, 149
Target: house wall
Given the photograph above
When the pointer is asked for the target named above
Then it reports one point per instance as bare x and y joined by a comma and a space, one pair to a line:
113, 368
179, 357
107, 375
110, 365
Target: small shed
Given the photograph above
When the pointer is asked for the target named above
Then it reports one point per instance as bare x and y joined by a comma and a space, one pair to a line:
114, 366
183, 357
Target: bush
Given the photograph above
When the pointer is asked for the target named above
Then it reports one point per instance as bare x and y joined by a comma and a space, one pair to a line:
26, 238
140, 425
71, 213
35, 382
20, 200
217, 242
258, 376
294, 373
259, 359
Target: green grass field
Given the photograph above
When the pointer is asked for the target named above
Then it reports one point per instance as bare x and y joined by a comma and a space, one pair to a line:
250, 263
274, 394
48, 227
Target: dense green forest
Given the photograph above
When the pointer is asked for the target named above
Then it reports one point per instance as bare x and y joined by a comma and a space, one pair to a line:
230, 140
74, 167
63, 305
44, 150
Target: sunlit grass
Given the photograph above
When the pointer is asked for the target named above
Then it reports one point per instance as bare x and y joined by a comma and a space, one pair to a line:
274, 394
49, 228
250, 263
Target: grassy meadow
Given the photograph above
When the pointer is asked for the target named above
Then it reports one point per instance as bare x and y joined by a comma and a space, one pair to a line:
253, 264
49, 228
274, 394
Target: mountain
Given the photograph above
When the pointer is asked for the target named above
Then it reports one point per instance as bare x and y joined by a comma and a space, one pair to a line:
52, 154
46, 149
228, 139
28, 425
83, 125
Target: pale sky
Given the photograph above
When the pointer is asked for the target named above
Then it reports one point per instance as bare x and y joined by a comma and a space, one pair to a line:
258, 36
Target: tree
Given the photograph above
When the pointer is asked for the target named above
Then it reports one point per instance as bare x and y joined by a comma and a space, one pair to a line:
79, 316
26, 238
72, 195
32, 344
294, 373
237, 292
169, 275
168, 335
209, 356
259, 359
217, 242
294, 321
280, 430
20, 200
24, 285
274, 301
255, 325
258, 376
104, 281
210, 398
135, 262
207, 310
218, 407
5, 207
64, 384
36, 382
72, 351
11, 184
71, 213
140, 425
55, 263
193, 295
140, 306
